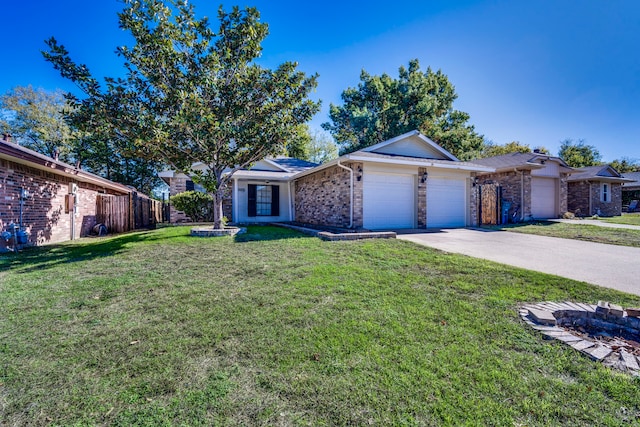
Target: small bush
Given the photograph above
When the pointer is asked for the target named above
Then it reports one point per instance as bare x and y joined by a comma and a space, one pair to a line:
198, 206
568, 215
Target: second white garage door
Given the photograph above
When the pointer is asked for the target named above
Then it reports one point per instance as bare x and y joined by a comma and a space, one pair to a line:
389, 201
543, 198
446, 202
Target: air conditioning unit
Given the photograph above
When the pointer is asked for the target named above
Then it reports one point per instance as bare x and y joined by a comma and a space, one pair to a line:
73, 188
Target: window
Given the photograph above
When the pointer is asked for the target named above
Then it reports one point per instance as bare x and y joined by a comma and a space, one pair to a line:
606, 193
264, 200
189, 185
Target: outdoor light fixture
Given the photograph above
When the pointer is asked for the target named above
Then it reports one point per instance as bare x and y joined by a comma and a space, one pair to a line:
424, 177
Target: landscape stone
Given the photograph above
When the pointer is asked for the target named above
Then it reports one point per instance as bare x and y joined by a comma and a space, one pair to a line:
598, 352
630, 360
543, 317
582, 344
633, 312
602, 308
568, 338
616, 310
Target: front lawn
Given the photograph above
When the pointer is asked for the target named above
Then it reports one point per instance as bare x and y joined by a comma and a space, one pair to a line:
276, 328
578, 231
626, 218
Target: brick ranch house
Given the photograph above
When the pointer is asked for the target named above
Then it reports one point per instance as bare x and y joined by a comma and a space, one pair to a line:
47, 214
405, 182
596, 190
631, 189
535, 183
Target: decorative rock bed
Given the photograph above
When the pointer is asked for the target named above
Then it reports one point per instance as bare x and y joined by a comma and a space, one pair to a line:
216, 232
604, 332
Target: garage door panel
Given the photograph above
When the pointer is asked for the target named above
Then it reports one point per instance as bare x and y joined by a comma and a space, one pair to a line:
446, 202
389, 201
543, 198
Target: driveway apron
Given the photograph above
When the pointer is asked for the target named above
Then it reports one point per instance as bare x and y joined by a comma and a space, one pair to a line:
610, 266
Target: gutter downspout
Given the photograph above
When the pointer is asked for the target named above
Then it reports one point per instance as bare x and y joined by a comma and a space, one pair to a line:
351, 193
521, 193
290, 201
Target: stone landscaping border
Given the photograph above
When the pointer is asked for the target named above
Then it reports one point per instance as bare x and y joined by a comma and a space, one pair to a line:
330, 236
543, 317
216, 232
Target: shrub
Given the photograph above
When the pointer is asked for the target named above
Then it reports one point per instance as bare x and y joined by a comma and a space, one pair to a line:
568, 215
198, 206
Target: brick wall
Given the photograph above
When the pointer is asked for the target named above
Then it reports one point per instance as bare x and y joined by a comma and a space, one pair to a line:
323, 198
43, 213
580, 192
511, 183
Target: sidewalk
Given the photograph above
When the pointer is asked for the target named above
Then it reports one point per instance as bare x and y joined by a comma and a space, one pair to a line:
596, 222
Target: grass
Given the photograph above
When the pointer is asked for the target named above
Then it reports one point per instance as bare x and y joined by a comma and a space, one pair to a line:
276, 328
626, 218
578, 231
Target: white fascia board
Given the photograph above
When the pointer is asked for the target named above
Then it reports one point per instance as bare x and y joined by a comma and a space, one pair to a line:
424, 163
274, 164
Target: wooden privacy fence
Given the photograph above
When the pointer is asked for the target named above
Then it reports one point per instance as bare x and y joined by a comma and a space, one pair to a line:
127, 213
489, 206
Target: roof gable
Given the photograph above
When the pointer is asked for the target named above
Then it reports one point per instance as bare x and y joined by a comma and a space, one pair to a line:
411, 144
267, 165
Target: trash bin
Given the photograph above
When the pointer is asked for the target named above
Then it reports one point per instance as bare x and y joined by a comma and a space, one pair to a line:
506, 206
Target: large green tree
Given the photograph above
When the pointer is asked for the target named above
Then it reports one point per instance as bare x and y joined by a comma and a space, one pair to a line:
382, 107
195, 95
36, 118
626, 164
491, 149
579, 154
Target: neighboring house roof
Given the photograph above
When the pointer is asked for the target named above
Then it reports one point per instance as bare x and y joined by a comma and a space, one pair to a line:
279, 168
603, 173
22, 155
634, 177
521, 161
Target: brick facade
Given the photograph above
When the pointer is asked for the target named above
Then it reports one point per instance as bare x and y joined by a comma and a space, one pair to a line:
580, 193
324, 197
44, 212
516, 188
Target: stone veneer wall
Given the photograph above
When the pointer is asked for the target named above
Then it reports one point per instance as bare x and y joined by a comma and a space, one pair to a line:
473, 202
323, 198
179, 185
422, 199
511, 183
44, 212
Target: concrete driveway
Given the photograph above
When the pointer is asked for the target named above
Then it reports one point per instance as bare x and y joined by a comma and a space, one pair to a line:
615, 267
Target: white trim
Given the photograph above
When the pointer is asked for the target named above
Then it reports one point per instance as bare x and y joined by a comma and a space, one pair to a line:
422, 163
270, 161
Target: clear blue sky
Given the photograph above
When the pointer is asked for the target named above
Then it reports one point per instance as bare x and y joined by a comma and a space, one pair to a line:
532, 71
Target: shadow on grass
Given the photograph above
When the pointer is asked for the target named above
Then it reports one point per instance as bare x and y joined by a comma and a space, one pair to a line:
516, 225
266, 233
45, 257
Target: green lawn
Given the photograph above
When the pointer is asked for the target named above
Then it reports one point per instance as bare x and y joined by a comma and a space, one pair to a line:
276, 328
626, 218
578, 231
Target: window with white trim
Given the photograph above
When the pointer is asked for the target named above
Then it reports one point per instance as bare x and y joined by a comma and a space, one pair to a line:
605, 192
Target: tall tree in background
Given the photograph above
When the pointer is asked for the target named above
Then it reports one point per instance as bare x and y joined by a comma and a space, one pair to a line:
490, 149
194, 95
321, 147
625, 165
382, 107
35, 117
579, 154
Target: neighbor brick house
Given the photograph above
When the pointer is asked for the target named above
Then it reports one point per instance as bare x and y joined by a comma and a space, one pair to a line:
595, 190
47, 214
631, 189
534, 183
405, 182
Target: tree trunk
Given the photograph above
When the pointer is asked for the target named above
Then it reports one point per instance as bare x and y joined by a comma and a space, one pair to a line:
217, 208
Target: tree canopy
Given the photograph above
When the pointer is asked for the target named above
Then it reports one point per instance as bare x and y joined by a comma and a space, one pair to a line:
195, 95
625, 165
35, 117
382, 107
579, 154
491, 149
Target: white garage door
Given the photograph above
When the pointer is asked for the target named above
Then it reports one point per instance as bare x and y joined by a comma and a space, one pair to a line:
388, 201
446, 202
543, 198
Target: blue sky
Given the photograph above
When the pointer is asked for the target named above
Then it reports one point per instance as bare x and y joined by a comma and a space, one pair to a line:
532, 71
